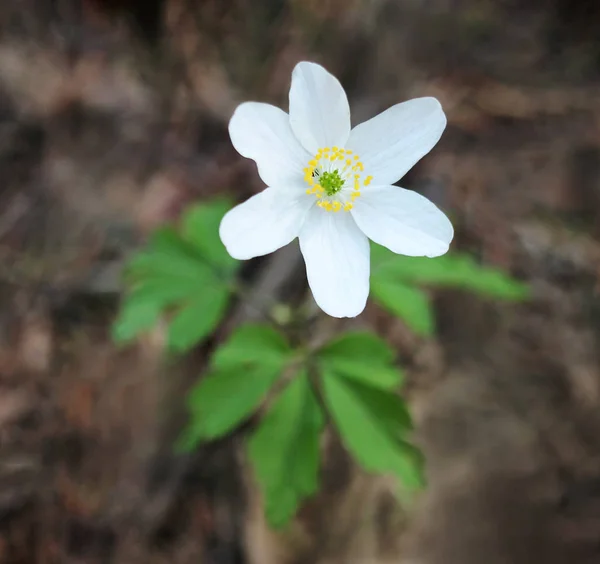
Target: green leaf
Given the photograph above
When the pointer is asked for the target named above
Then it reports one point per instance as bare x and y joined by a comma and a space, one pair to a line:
186, 273
223, 399
456, 270
358, 346
166, 252
201, 301
408, 303
167, 239
164, 293
373, 425
168, 266
362, 356
253, 344
391, 408
136, 316
197, 319
242, 371
284, 451
200, 227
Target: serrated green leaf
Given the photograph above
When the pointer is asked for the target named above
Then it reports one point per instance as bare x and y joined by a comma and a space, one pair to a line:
242, 371
358, 345
250, 344
162, 292
284, 451
167, 239
225, 398
135, 317
389, 407
166, 265
456, 270
406, 302
186, 273
163, 243
379, 376
362, 356
372, 424
200, 227
198, 318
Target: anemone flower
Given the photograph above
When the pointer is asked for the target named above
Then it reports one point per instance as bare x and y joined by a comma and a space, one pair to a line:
331, 186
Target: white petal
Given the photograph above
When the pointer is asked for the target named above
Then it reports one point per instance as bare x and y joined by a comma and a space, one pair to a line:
336, 254
262, 132
264, 223
392, 142
403, 221
319, 110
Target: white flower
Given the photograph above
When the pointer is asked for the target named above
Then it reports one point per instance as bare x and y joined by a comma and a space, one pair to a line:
331, 186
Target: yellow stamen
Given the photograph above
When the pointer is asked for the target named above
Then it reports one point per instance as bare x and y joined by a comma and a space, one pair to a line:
342, 175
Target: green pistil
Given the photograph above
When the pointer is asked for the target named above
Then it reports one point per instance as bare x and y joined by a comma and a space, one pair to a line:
331, 182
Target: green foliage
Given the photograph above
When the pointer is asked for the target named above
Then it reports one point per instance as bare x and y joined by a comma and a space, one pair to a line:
284, 447
373, 425
358, 380
284, 450
253, 345
395, 280
136, 316
197, 318
241, 373
454, 270
200, 228
183, 274
363, 357
406, 302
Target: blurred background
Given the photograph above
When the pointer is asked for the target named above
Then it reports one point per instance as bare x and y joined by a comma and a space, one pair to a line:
113, 118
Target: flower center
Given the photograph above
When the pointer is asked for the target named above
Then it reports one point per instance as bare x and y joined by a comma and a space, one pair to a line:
331, 182
335, 176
